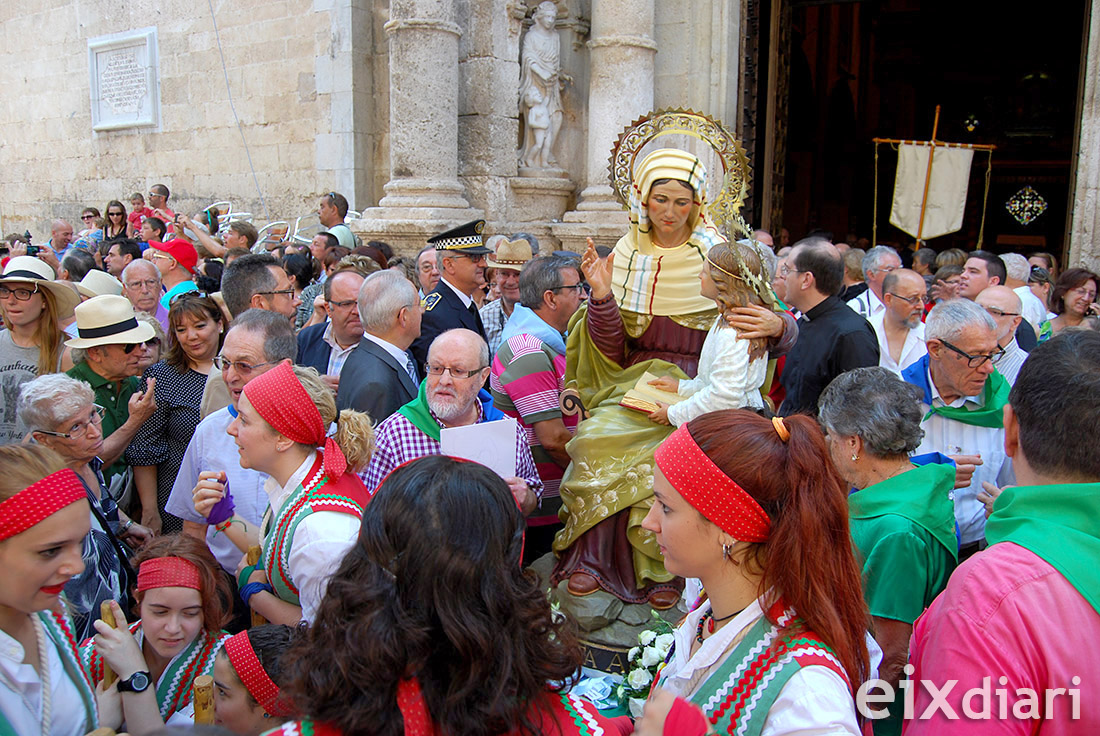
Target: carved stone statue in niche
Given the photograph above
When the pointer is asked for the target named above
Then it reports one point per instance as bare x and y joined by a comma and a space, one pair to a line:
540, 85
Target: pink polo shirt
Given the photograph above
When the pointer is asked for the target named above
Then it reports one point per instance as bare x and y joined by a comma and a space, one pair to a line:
1006, 612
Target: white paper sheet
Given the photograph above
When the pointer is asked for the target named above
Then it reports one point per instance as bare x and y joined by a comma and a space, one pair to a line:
493, 444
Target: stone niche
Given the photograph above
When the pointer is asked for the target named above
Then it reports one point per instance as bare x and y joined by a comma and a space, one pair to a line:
123, 75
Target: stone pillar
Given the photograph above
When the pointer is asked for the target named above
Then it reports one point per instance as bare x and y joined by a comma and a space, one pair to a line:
1084, 225
621, 65
621, 60
423, 39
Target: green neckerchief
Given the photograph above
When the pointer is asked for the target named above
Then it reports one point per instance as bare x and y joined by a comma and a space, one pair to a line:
995, 396
921, 495
416, 411
1059, 523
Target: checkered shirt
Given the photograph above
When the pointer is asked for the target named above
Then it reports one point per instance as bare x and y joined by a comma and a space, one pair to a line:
397, 440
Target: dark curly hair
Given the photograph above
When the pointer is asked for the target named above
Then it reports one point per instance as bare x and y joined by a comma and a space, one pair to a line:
434, 590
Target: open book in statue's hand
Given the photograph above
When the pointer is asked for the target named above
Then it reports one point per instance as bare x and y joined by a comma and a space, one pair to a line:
644, 397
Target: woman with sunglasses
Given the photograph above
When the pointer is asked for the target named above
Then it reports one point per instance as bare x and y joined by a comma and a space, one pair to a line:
115, 226
61, 415
43, 523
31, 304
194, 337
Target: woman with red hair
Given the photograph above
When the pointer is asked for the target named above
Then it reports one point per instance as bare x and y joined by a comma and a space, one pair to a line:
753, 508
182, 600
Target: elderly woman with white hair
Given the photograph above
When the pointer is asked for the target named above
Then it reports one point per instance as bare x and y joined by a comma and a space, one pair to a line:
61, 414
901, 512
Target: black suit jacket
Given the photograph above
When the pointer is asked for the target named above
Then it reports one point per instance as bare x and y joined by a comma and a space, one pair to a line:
313, 351
374, 382
443, 311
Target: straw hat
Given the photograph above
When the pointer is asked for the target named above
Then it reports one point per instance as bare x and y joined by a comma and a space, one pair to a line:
98, 283
108, 320
28, 269
511, 254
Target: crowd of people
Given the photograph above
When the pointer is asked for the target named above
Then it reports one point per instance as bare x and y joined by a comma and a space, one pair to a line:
866, 479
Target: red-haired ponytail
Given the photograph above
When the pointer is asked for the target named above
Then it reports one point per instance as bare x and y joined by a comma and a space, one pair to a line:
808, 556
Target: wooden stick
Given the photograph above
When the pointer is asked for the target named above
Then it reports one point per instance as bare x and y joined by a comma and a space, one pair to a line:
107, 616
103, 732
202, 690
939, 144
928, 175
252, 558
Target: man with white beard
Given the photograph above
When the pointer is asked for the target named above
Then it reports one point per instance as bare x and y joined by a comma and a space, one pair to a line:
450, 396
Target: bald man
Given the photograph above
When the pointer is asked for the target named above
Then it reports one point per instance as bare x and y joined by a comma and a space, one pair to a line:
900, 326
61, 238
1006, 309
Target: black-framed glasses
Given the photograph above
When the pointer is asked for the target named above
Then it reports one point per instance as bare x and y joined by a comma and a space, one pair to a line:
20, 293
80, 429
115, 214
910, 300
152, 342
475, 257
975, 361
439, 370
1001, 313
223, 364
89, 216
343, 304
582, 288
285, 292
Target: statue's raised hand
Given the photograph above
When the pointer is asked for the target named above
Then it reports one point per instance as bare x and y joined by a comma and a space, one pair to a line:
597, 271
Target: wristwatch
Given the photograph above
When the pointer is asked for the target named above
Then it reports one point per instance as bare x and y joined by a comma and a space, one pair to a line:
135, 683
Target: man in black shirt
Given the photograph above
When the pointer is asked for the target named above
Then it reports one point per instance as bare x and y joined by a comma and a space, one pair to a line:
832, 338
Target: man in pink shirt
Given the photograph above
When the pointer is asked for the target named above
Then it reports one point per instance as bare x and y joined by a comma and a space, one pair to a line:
1008, 647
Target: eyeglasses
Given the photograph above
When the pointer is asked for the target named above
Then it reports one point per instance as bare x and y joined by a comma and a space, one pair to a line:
581, 288
115, 214
154, 194
479, 258
439, 370
885, 269
244, 369
786, 270
87, 217
285, 292
1001, 313
910, 300
343, 304
80, 429
976, 361
20, 294
144, 285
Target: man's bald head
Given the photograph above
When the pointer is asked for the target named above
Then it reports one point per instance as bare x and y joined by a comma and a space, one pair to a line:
461, 343
61, 233
1005, 307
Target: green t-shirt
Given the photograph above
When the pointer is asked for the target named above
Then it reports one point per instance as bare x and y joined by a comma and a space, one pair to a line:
114, 398
903, 528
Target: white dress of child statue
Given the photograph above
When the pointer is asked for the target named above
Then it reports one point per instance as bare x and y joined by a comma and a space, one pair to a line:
540, 84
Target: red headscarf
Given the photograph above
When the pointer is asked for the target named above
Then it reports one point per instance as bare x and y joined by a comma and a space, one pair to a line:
283, 402
38, 501
710, 491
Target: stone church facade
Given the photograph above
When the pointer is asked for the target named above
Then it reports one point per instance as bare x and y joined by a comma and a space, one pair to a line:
411, 108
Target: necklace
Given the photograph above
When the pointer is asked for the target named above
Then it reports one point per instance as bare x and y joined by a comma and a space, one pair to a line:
709, 619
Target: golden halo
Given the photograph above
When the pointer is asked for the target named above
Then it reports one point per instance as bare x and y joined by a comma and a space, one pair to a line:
726, 208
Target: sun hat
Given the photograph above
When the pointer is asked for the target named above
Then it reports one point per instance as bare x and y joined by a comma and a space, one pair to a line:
108, 320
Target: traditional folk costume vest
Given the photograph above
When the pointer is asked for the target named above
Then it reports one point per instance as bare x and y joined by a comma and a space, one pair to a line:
60, 633
174, 687
568, 716
737, 696
318, 492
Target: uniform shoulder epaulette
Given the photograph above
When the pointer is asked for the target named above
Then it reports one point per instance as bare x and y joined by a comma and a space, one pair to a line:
430, 301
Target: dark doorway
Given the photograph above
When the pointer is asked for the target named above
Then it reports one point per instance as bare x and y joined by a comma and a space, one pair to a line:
858, 70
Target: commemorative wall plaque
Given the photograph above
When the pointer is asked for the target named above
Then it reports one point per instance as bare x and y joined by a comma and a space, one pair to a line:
124, 80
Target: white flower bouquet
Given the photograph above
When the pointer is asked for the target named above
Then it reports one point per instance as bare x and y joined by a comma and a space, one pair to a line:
644, 661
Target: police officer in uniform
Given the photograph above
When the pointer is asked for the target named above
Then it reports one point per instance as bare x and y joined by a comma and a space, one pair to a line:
460, 252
